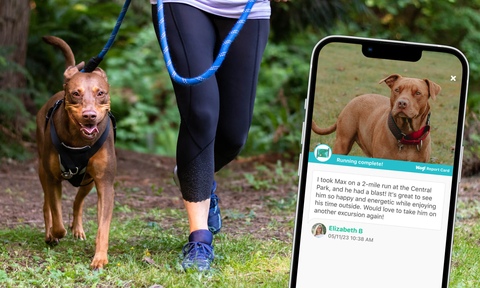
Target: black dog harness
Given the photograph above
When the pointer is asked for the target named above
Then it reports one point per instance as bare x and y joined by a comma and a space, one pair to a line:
74, 160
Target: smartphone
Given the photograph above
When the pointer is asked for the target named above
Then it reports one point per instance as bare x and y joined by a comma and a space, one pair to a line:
380, 164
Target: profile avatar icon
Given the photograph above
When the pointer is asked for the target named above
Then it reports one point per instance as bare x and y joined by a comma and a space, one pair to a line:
322, 152
319, 230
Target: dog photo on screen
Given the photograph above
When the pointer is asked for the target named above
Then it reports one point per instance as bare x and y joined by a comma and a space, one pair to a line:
396, 110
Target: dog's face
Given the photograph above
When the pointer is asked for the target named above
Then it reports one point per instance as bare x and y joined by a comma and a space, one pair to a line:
87, 99
409, 96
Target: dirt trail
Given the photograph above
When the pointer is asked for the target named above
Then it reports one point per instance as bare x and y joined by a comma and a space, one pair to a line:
139, 178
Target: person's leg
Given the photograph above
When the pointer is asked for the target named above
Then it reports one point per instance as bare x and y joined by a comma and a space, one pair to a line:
191, 37
237, 83
197, 214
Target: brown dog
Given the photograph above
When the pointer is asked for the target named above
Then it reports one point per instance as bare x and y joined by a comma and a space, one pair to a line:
79, 121
365, 120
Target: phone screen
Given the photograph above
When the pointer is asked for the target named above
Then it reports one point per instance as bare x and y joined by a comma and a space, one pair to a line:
380, 169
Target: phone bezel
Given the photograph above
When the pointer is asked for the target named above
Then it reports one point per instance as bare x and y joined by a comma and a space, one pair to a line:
307, 126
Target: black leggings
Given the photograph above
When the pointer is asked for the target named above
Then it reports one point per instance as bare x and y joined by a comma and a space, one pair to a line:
216, 114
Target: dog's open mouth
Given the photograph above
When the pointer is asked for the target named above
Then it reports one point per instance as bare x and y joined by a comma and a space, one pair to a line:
88, 130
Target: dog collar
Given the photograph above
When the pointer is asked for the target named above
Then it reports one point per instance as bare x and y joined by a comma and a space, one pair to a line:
414, 138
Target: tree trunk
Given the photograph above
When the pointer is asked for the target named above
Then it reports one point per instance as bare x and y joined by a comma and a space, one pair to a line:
14, 22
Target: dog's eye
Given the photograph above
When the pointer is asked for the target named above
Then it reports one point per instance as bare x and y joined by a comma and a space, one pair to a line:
100, 93
75, 94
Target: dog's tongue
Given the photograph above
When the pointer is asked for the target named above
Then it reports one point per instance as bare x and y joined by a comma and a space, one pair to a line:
90, 130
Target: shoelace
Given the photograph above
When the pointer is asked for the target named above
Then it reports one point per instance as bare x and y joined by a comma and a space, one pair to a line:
202, 252
214, 201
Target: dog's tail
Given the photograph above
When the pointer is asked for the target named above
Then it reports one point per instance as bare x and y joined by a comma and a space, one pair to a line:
323, 131
62, 45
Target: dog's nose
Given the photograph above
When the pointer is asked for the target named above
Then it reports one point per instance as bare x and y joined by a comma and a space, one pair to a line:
402, 104
89, 115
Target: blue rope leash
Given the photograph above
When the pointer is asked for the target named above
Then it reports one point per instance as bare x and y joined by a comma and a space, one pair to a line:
221, 55
95, 61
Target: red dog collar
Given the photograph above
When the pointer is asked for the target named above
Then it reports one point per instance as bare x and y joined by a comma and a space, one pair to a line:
414, 138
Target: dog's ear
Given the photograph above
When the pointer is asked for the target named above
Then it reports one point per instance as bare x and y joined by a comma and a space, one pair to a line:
99, 71
433, 88
390, 80
68, 74
80, 65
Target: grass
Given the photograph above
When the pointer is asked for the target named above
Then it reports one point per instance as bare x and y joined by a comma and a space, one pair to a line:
465, 271
145, 247
268, 178
241, 261
344, 73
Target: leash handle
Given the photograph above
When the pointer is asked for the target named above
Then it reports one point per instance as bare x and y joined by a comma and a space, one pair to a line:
221, 55
92, 64
95, 61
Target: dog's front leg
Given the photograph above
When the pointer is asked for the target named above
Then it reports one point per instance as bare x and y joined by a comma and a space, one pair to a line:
77, 224
47, 213
105, 204
52, 208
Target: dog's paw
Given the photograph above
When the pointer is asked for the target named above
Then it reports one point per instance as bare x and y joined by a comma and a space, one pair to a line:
52, 241
78, 233
58, 233
99, 261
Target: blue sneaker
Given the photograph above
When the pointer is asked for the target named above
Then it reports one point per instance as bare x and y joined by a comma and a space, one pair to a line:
214, 217
198, 255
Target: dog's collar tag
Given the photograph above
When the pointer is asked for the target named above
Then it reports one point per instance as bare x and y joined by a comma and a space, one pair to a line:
68, 174
420, 148
400, 145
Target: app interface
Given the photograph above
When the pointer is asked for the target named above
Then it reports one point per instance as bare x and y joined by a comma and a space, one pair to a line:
376, 207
